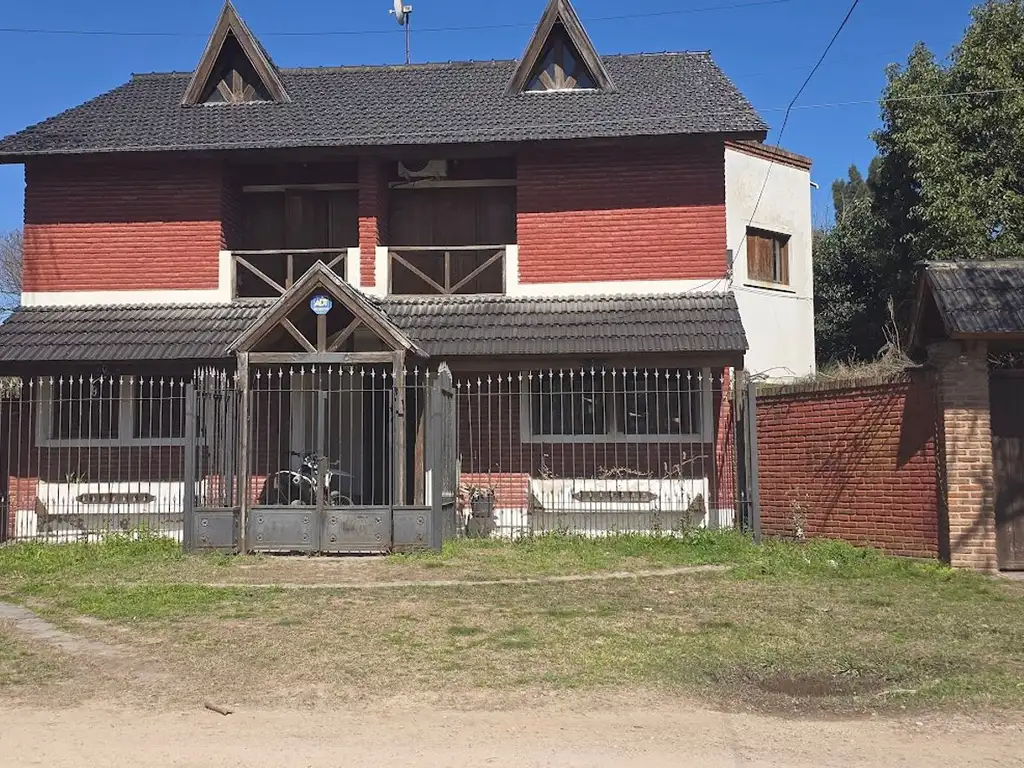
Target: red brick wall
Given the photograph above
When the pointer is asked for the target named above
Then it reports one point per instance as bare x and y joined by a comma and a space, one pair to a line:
621, 214
91, 227
373, 216
857, 464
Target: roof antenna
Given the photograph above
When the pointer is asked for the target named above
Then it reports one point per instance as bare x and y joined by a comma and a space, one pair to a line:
402, 14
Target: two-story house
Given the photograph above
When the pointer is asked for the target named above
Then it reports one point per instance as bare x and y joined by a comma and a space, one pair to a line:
532, 224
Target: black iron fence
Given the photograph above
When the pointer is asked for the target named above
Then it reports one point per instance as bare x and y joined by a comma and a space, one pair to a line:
597, 451
87, 453
578, 450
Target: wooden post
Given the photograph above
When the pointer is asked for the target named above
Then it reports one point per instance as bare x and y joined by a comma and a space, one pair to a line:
244, 483
321, 333
398, 430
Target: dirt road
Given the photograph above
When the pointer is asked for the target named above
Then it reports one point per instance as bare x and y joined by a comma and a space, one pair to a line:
549, 737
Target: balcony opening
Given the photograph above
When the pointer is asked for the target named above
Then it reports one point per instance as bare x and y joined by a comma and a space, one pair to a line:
287, 229
450, 235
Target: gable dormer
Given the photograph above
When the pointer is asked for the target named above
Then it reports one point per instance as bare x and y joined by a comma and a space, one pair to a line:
560, 56
234, 68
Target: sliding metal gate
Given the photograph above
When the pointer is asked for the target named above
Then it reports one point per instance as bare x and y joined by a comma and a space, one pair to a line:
337, 459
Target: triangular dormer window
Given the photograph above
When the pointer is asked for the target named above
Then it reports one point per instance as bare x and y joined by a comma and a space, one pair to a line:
560, 56
234, 68
234, 79
560, 68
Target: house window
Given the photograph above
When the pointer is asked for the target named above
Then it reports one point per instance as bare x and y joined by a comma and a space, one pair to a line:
567, 403
85, 408
560, 68
661, 403
621, 405
111, 410
767, 257
158, 409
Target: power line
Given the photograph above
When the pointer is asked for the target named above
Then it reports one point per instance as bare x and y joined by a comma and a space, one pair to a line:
350, 32
785, 119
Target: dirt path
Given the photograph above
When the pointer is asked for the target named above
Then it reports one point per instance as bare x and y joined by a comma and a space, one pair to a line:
546, 737
124, 715
685, 570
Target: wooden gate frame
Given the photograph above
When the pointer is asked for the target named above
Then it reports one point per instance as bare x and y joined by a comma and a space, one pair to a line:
412, 526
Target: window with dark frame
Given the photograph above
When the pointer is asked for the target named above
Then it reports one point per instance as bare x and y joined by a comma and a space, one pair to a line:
159, 409
105, 408
767, 257
567, 403
617, 405
661, 403
85, 408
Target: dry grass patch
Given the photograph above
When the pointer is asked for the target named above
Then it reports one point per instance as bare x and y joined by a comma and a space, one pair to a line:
22, 664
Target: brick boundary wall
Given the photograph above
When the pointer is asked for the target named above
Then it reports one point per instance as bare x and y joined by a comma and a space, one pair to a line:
855, 462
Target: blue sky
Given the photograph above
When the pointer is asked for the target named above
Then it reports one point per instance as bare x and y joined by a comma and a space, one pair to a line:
767, 50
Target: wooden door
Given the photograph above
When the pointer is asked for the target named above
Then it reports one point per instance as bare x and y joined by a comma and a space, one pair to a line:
1006, 392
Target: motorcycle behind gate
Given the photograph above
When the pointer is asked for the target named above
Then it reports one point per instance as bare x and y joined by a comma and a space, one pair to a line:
290, 487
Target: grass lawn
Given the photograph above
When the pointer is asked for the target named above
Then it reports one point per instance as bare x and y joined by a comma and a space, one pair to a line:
821, 626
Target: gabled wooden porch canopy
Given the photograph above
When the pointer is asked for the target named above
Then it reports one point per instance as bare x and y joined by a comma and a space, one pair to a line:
323, 319
323, 322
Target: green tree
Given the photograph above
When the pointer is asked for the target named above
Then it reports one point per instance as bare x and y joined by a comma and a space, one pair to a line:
848, 264
948, 182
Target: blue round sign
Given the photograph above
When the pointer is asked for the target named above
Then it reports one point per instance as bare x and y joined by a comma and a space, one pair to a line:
321, 305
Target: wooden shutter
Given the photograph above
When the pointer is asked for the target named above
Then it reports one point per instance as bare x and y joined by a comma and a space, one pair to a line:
759, 257
784, 256
264, 221
344, 219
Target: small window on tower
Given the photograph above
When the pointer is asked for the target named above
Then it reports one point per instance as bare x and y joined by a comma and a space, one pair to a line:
767, 257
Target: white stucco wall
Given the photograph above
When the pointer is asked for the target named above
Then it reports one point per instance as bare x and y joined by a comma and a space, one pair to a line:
779, 323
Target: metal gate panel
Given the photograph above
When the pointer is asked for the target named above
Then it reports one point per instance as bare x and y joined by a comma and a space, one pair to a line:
214, 529
212, 493
283, 529
356, 530
413, 527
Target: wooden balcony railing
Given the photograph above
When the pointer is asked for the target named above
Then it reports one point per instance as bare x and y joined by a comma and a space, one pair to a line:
272, 272
446, 270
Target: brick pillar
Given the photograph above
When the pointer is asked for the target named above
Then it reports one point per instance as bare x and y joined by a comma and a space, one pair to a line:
962, 373
373, 216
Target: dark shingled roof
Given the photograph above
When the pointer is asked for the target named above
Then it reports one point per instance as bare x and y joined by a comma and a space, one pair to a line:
596, 325
978, 297
444, 327
456, 102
